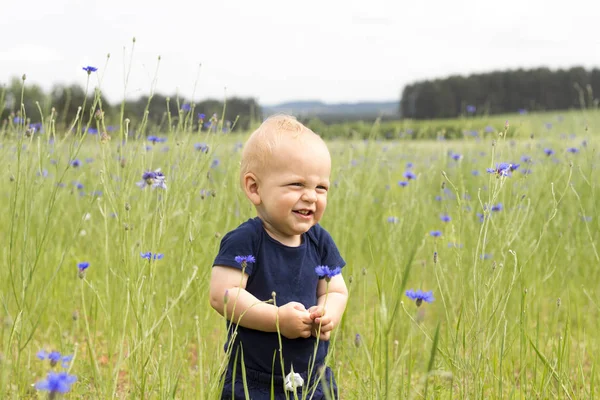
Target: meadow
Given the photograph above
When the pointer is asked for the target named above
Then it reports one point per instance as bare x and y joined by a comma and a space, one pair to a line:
511, 257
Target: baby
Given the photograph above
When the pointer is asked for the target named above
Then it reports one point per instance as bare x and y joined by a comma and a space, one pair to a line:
285, 173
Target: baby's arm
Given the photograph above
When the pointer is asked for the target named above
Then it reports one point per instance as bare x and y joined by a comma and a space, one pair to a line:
294, 319
329, 314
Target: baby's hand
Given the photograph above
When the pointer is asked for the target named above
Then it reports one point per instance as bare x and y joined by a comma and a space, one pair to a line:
294, 320
319, 317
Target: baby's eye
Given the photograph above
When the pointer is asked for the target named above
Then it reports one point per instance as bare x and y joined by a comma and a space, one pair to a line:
296, 184
321, 187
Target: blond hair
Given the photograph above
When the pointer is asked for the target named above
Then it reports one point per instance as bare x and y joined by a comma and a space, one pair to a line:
263, 141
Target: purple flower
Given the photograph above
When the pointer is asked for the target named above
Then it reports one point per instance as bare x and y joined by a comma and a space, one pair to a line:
201, 116
156, 179
156, 139
82, 266
456, 156
573, 150
409, 175
56, 383
503, 169
149, 255
497, 207
75, 163
435, 233
548, 152
203, 147
471, 109
402, 183
186, 107
323, 271
420, 296
89, 69
245, 260
54, 357
392, 220
445, 217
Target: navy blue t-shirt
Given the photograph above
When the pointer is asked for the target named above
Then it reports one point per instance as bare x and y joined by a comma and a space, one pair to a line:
290, 273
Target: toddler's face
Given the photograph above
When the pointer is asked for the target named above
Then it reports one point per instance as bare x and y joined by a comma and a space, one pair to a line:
293, 189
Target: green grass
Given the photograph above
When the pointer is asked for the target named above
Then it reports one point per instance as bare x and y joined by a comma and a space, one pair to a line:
520, 322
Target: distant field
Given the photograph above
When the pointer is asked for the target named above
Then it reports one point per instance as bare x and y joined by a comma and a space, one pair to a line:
515, 269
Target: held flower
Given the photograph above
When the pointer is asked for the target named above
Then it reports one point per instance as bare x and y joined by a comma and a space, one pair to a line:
323, 271
245, 260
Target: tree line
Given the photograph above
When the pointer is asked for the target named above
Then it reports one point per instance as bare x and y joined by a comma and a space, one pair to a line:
499, 92
159, 113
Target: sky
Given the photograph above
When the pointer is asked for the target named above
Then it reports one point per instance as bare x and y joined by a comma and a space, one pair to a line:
277, 51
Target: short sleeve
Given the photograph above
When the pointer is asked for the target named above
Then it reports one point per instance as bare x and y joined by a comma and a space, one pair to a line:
330, 254
239, 242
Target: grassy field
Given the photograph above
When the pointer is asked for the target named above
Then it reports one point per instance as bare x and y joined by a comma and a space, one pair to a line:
515, 272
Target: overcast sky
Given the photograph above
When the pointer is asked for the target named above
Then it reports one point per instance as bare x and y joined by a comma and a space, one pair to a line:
330, 50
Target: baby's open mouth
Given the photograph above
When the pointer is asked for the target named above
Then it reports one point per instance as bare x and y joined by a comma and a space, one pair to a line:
303, 212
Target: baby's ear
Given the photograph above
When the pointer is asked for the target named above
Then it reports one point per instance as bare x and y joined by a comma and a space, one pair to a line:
250, 184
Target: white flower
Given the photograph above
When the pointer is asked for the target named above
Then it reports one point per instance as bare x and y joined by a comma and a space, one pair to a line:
292, 381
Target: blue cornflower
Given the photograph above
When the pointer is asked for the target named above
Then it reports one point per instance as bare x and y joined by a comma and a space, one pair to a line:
503, 169
215, 163
78, 185
471, 109
480, 216
18, 120
56, 383
420, 296
156, 179
456, 156
201, 116
75, 163
392, 220
323, 271
409, 165
402, 183
445, 218
489, 129
410, 175
497, 207
90, 69
435, 233
475, 172
54, 357
573, 150
522, 111
203, 147
525, 159
548, 152
548, 125
156, 139
149, 255
82, 266
43, 173
186, 107
245, 260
